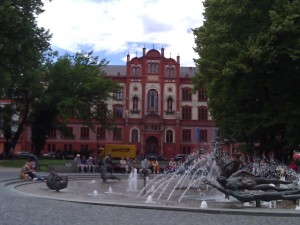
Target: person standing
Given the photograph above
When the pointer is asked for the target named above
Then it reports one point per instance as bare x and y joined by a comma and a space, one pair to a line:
109, 164
145, 163
77, 162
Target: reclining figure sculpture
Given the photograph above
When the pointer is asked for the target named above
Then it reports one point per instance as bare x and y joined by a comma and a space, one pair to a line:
246, 186
240, 183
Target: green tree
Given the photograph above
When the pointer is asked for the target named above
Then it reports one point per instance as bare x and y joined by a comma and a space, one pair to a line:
249, 64
75, 88
22, 48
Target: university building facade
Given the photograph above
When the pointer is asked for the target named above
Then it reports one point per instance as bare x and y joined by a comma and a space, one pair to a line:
156, 110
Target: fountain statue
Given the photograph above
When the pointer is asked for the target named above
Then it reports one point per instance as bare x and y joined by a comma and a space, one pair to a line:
203, 177
56, 182
208, 171
106, 170
247, 186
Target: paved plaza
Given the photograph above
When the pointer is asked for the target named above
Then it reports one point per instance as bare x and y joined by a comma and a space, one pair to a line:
35, 204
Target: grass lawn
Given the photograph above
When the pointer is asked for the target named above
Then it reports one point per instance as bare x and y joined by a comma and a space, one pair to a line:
18, 163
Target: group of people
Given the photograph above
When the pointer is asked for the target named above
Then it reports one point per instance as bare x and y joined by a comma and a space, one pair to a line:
151, 166
126, 164
85, 165
28, 171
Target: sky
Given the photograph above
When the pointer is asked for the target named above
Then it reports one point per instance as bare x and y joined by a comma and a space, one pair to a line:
114, 28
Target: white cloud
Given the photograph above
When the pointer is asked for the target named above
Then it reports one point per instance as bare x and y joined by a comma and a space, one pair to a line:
115, 26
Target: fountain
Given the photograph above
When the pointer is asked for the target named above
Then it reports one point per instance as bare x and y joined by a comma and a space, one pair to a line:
194, 180
150, 199
132, 181
193, 183
94, 193
109, 190
203, 205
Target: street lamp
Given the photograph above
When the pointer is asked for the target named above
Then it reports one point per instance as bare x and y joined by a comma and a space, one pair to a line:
97, 151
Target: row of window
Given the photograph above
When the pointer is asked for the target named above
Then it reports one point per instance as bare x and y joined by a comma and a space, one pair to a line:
66, 147
153, 68
69, 147
118, 134
186, 111
186, 95
68, 133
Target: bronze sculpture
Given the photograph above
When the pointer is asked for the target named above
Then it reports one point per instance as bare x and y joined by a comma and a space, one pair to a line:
246, 186
56, 182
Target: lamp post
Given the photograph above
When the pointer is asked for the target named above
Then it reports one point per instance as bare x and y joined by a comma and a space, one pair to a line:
97, 151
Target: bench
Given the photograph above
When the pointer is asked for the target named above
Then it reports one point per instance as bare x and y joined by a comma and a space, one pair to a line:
69, 167
162, 164
39, 166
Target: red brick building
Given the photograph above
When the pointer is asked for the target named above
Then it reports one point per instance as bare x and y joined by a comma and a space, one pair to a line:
156, 110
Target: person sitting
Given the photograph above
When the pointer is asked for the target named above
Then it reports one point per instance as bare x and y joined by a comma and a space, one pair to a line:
91, 165
171, 166
154, 166
28, 172
123, 165
83, 165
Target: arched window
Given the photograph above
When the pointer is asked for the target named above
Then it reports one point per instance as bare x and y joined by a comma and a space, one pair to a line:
169, 136
134, 135
135, 103
152, 104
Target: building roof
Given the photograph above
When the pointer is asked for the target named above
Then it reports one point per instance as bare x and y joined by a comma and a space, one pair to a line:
119, 70
187, 71
113, 70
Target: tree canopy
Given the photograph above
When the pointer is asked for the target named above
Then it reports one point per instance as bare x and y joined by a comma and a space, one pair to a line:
22, 48
75, 88
41, 90
249, 57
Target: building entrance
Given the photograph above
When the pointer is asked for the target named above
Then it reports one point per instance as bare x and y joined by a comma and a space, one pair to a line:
152, 146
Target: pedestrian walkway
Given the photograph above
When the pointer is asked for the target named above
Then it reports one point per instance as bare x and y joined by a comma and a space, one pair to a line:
18, 208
